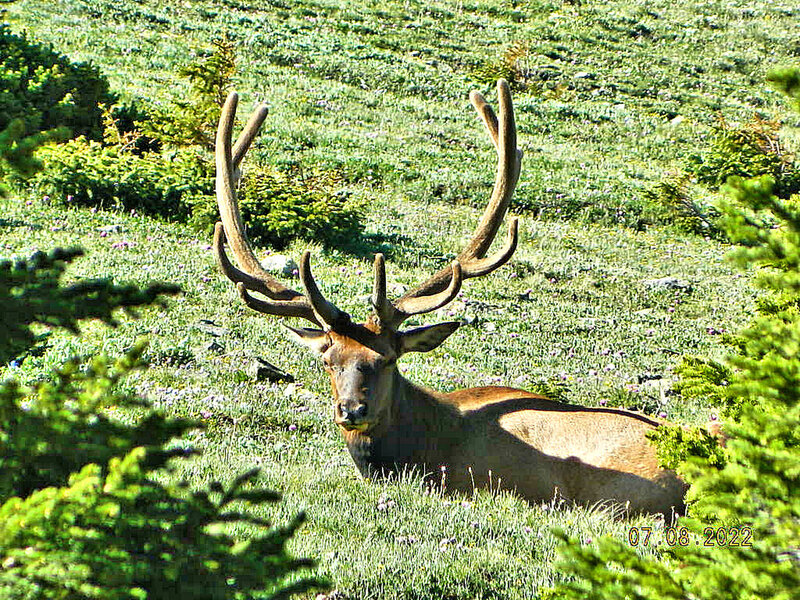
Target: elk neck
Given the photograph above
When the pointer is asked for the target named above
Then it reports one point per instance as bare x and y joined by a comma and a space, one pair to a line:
419, 431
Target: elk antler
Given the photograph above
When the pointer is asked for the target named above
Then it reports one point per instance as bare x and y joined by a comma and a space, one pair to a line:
252, 277
472, 261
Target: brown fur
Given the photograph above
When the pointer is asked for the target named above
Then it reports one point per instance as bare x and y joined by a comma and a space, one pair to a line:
481, 437
493, 437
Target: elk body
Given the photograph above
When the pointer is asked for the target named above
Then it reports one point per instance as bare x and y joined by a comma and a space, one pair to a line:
472, 438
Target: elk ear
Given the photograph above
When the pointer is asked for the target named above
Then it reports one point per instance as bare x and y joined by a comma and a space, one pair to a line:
425, 339
316, 339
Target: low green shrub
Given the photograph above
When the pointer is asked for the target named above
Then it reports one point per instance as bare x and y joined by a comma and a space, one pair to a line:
88, 173
675, 444
747, 490
278, 210
178, 183
87, 506
748, 150
513, 65
674, 197
46, 90
192, 122
31, 296
17, 150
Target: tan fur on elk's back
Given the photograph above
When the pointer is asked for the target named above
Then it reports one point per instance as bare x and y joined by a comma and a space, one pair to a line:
493, 437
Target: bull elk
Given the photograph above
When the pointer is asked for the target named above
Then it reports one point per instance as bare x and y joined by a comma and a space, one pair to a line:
477, 437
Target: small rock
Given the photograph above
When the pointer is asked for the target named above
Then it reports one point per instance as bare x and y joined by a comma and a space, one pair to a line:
110, 229
210, 328
280, 263
649, 377
213, 346
661, 389
260, 370
526, 296
470, 319
668, 283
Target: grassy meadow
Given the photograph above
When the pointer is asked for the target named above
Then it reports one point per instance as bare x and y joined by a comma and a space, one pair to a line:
610, 97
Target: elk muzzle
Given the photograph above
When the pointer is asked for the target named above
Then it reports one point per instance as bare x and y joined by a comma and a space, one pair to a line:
352, 414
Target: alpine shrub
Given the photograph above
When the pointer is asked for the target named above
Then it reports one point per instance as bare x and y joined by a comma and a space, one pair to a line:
749, 150
46, 90
87, 507
278, 210
749, 491
177, 182
17, 161
674, 196
88, 173
192, 122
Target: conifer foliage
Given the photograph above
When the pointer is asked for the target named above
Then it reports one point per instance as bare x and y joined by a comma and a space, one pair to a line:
86, 510
756, 489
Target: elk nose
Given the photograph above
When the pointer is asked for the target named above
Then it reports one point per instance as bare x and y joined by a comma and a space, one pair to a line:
352, 414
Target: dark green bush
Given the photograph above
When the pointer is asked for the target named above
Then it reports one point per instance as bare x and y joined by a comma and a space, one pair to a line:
674, 197
31, 295
752, 483
17, 150
277, 210
676, 444
46, 90
513, 65
193, 122
179, 184
88, 173
749, 150
87, 508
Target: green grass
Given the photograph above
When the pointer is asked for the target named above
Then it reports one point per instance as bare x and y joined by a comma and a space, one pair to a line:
584, 309
377, 92
617, 92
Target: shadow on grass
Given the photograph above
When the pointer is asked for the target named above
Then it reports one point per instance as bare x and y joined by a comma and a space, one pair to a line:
9, 223
368, 245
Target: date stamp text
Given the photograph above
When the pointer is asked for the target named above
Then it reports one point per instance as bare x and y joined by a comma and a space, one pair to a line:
681, 536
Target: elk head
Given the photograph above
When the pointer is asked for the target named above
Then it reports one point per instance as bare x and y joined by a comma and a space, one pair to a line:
361, 358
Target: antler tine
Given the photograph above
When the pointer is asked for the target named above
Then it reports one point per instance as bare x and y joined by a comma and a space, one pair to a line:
390, 315
226, 197
473, 260
424, 304
294, 306
509, 157
325, 312
248, 134
486, 112
276, 307
383, 307
282, 301
236, 275
483, 266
